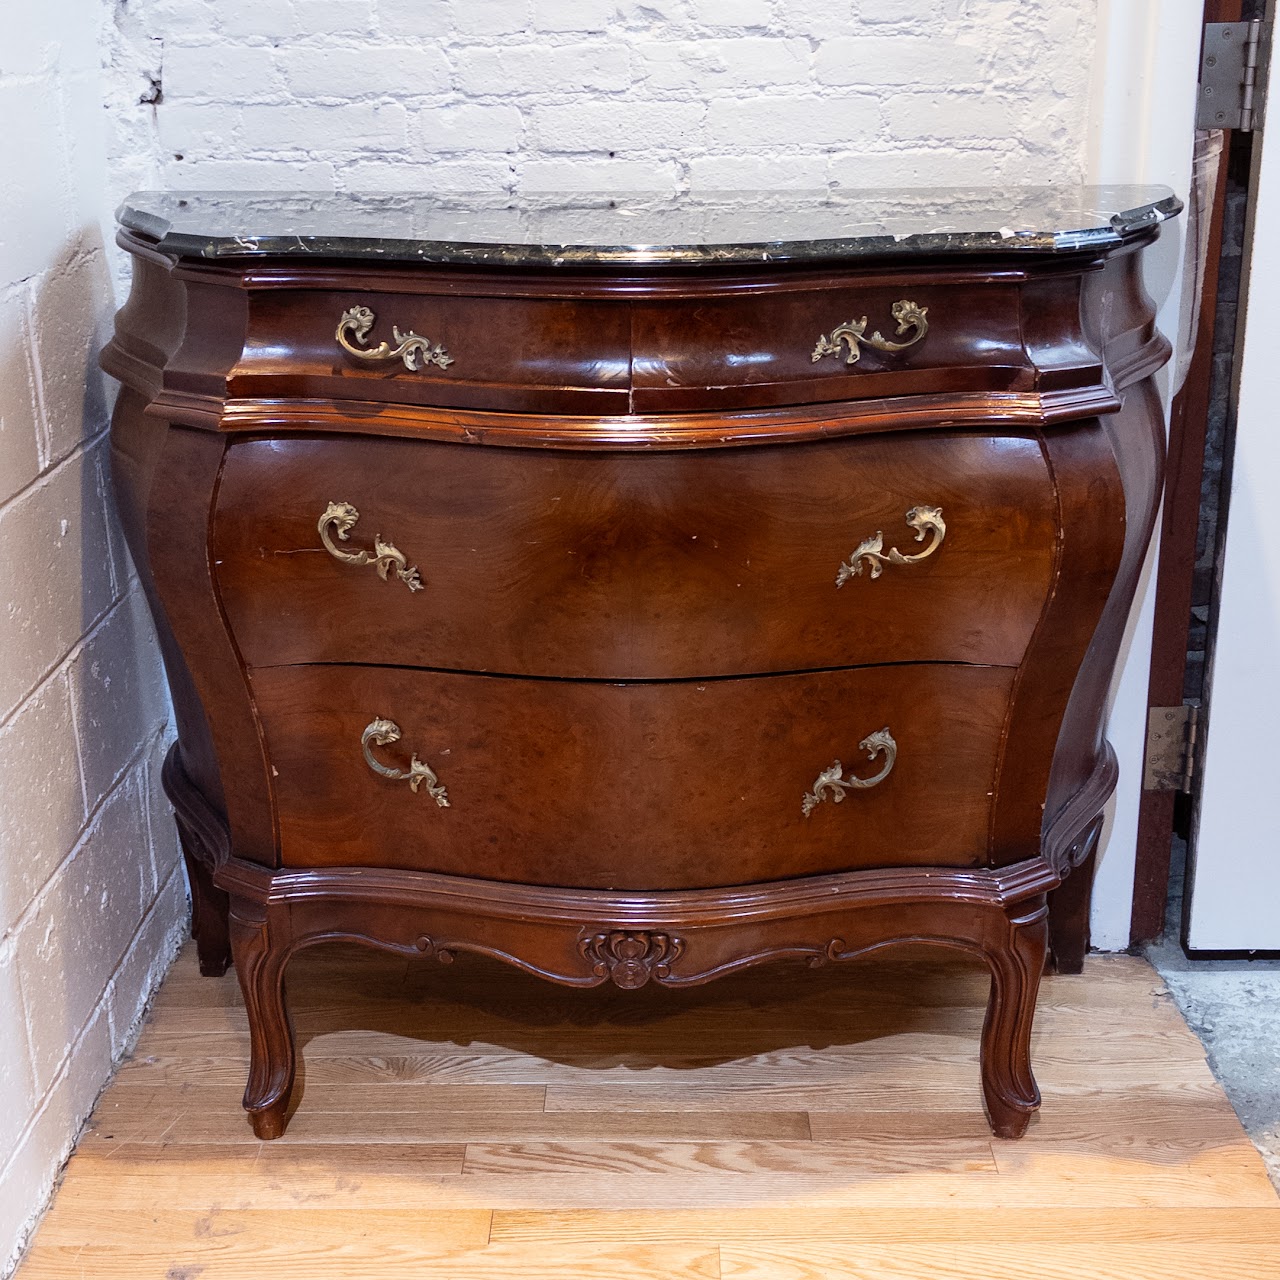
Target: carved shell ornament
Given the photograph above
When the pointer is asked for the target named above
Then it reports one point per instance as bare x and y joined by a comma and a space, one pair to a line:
853, 333
629, 959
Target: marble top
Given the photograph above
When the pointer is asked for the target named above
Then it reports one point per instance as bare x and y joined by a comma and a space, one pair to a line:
645, 229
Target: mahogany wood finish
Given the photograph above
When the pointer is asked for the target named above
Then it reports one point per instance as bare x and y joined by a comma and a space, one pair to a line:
738, 350
209, 904
630, 659
527, 355
610, 566
549, 781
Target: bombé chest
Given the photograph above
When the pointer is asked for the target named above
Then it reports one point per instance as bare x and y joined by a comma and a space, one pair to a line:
636, 614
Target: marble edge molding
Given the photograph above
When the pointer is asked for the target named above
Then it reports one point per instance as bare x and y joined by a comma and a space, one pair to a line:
167, 238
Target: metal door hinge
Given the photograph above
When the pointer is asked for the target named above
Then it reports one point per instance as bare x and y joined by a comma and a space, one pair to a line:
1173, 734
1231, 94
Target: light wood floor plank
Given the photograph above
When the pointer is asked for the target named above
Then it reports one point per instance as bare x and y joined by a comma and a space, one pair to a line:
907, 1090
226, 1123
474, 1124
1103, 1185
362, 1057
994, 1261
889, 1227
429, 1233
417, 1095
679, 1160
1194, 1115
385, 1260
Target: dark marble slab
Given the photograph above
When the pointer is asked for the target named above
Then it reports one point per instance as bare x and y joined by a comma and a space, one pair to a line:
645, 230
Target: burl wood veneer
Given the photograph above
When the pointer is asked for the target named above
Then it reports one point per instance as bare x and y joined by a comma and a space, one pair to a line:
657, 615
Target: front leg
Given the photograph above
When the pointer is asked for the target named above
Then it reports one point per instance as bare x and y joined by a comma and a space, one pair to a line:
1015, 950
261, 946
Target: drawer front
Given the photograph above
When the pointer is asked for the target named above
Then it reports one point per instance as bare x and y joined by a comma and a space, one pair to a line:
617, 566
633, 786
516, 354
814, 346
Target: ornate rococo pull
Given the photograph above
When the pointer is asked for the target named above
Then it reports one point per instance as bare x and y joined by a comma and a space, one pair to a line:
342, 516
924, 520
415, 351
908, 316
383, 733
832, 782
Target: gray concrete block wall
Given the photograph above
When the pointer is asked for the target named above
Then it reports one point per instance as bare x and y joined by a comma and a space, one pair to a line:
92, 897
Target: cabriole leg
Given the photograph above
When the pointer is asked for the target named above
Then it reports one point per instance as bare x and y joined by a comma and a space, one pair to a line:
1016, 961
260, 963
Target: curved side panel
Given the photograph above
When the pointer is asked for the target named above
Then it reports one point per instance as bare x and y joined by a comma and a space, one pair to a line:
1117, 306
1083, 754
136, 443
177, 523
1090, 544
165, 479
1083, 772
1106, 526
1135, 350
1136, 439
149, 327
1057, 343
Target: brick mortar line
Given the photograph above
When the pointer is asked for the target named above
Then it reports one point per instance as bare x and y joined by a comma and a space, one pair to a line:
135, 766
94, 626
49, 473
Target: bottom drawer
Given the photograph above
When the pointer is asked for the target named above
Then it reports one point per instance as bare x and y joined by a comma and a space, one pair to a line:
661, 785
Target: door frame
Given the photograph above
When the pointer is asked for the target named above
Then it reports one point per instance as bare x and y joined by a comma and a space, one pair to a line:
1158, 810
1142, 130
1232, 778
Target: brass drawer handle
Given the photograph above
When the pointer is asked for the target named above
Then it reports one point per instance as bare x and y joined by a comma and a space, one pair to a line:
832, 781
342, 516
924, 520
385, 732
416, 352
908, 316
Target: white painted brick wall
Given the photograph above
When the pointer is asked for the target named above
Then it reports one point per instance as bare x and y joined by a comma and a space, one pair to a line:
92, 898
628, 94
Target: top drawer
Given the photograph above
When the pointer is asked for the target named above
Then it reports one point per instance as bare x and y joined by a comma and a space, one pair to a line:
890, 548
717, 350
813, 346
525, 355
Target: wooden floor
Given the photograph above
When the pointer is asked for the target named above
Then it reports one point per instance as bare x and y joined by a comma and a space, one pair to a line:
466, 1121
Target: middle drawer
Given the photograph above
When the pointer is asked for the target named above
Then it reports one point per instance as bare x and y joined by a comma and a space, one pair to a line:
624, 566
